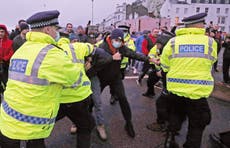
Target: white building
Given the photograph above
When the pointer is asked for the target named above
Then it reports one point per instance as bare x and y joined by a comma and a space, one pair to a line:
217, 10
153, 6
118, 16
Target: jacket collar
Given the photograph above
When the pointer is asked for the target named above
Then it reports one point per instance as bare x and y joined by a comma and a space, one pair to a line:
39, 37
184, 31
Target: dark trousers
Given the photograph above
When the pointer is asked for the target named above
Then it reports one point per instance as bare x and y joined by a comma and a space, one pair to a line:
215, 64
226, 65
198, 114
119, 91
78, 113
12, 143
122, 77
162, 108
151, 81
3, 76
145, 69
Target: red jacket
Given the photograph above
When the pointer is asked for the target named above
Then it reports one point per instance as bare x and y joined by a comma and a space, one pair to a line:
145, 45
6, 50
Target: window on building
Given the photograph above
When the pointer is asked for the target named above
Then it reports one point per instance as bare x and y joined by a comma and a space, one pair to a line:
185, 10
197, 9
214, 1
222, 28
193, 1
177, 10
226, 10
206, 10
222, 1
118, 17
202, 1
218, 20
223, 20
218, 10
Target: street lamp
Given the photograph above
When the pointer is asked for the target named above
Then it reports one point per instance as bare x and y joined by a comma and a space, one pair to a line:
92, 12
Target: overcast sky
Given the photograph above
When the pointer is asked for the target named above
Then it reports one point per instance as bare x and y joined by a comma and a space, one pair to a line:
77, 12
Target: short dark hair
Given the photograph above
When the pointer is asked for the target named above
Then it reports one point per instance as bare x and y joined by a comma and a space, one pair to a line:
21, 21
69, 24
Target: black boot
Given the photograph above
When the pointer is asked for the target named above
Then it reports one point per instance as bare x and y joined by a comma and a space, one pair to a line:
129, 129
83, 140
170, 141
112, 100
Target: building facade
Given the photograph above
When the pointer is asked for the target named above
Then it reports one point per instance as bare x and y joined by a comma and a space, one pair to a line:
218, 11
146, 23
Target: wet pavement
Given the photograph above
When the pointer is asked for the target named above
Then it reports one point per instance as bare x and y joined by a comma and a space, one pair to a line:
144, 112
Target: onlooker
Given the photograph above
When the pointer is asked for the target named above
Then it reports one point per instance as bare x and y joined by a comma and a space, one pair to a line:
69, 28
82, 37
226, 59
147, 45
21, 38
6, 52
17, 30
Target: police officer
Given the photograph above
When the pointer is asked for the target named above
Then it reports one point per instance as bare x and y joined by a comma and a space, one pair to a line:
75, 101
37, 73
187, 59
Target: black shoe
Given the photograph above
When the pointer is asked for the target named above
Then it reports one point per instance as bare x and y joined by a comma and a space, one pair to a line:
112, 100
129, 129
138, 81
216, 141
216, 70
149, 95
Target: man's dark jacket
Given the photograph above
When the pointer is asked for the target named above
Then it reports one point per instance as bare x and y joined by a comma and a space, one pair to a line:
112, 71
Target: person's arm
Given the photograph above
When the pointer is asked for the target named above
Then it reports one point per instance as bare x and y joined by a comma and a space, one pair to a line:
164, 59
214, 51
127, 52
8, 52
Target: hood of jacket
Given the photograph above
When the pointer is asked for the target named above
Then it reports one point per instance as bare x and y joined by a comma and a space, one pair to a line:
6, 32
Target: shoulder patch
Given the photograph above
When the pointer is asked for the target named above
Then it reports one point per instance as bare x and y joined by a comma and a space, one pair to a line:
18, 65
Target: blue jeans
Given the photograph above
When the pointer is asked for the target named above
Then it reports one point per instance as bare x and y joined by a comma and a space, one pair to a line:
96, 97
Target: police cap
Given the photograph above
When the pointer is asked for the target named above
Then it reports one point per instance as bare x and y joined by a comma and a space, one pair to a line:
124, 27
42, 19
195, 19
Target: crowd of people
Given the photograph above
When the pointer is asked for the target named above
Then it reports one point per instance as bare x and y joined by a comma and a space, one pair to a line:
48, 72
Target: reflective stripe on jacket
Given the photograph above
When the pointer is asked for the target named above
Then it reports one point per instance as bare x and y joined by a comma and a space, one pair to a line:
37, 73
77, 52
188, 59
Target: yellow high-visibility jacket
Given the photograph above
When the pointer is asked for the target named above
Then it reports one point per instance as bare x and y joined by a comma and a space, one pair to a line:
187, 59
37, 73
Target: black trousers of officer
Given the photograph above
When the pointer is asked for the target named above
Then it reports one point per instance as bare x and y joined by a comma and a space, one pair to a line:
12, 143
145, 69
162, 108
226, 65
119, 91
78, 113
151, 81
198, 114
3, 76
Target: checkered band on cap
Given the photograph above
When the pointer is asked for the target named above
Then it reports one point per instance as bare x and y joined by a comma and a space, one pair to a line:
194, 21
44, 23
